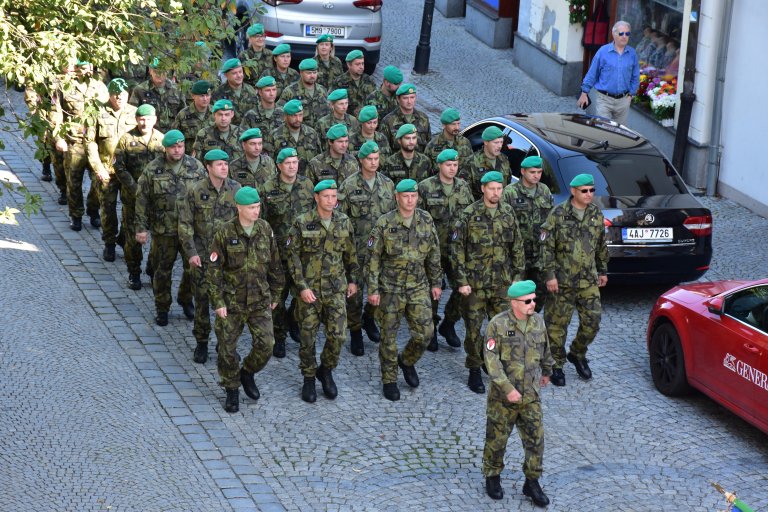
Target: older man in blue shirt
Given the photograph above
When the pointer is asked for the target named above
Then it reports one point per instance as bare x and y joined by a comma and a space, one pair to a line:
615, 74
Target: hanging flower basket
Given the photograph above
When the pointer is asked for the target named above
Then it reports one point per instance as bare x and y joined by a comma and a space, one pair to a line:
578, 10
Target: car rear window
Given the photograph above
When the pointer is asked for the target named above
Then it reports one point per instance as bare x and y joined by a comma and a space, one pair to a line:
623, 174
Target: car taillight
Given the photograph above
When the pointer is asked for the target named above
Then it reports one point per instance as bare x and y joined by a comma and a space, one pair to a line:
699, 225
373, 5
272, 34
372, 39
607, 223
275, 3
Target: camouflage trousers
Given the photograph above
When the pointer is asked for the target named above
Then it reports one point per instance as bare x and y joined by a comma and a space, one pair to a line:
479, 305
454, 306
281, 314
228, 330
108, 199
57, 162
331, 311
75, 166
163, 251
202, 327
557, 315
535, 275
132, 249
356, 310
502, 417
416, 307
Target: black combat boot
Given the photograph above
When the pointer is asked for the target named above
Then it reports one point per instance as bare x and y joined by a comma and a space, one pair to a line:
249, 386
62, 198
162, 318
493, 487
95, 219
391, 392
188, 308
47, 170
356, 344
475, 381
558, 377
120, 239
201, 353
532, 489
371, 329
278, 350
409, 372
232, 404
109, 252
325, 377
448, 331
582, 368
432, 347
134, 281
76, 223
308, 393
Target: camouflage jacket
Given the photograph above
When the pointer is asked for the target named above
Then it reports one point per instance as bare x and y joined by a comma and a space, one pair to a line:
403, 259
254, 63
307, 146
357, 90
479, 165
328, 72
159, 189
384, 104
243, 100
323, 167
461, 144
324, 123
517, 355
104, 133
315, 104
573, 251
244, 272
189, 121
323, 260
396, 169
132, 154
487, 251
394, 120
282, 80
282, 203
444, 208
210, 137
69, 104
168, 101
257, 117
531, 208
202, 209
252, 174
356, 140
364, 205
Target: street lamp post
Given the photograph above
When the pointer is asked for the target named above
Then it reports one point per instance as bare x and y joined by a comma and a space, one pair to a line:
421, 62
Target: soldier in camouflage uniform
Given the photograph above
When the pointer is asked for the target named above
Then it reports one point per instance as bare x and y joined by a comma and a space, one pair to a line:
281, 69
266, 115
192, 118
112, 122
355, 81
308, 92
257, 57
574, 261
406, 162
487, 250
339, 103
221, 134
162, 94
254, 167
403, 276
286, 196
531, 200
384, 98
203, 207
369, 121
242, 95
244, 283
322, 263
519, 362
444, 197
488, 158
406, 113
335, 163
161, 184
450, 138
134, 151
364, 197
295, 134
329, 66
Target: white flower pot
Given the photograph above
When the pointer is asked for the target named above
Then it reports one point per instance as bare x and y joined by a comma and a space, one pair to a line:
667, 122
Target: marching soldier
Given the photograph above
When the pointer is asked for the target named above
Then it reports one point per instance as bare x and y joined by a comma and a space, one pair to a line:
280, 68
257, 57
339, 104
192, 118
384, 98
308, 92
335, 163
242, 95
488, 158
406, 113
450, 138
329, 65
221, 134
406, 162
254, 167
296, 134
161, 93
357, 83
369, 122
265, 115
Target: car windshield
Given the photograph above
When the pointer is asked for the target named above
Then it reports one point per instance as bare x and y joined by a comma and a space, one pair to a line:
625, 174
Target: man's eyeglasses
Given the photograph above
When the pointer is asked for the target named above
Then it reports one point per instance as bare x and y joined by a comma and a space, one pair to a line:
587, 190
526, 301
625, 33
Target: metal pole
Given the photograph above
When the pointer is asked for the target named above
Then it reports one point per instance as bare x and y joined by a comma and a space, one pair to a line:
687, 97
421, 62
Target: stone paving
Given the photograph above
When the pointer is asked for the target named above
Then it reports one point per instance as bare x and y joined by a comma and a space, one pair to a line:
120, 418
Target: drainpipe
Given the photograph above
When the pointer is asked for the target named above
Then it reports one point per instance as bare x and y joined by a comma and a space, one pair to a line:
713, 161
687, 97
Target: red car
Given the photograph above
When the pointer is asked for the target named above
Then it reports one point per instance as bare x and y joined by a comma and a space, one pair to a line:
714, 337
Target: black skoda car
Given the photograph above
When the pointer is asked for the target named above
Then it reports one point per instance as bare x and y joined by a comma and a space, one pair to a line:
656, 230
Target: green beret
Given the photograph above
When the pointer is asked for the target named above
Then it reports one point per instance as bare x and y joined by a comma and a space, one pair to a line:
367, 148
154, 63
201, 44
216, 154
201, 87
407, 185
325, 38
116, 86
406, 129
281, 49
145, 110
325, 185
367, 113
265, 81
582, 179
354, 54
521, 288
308, 65
406, 89
285, 153
492, 176
246, 196
293, 107
231, 64
172, 137
250, 133
338, 94
393, 75
447, 154
492, 133
81, 63
223, 105
336, 131
531, 161
450, 115
254, 30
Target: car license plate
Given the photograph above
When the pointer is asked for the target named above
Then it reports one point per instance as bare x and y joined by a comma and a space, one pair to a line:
639, 235
316, 30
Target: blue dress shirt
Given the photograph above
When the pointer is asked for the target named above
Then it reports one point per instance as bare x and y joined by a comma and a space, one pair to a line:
612, 72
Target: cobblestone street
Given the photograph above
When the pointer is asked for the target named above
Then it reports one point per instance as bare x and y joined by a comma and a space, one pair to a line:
103, 410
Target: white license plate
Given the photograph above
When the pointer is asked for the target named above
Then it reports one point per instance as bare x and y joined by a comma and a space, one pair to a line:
638, 235
316, 30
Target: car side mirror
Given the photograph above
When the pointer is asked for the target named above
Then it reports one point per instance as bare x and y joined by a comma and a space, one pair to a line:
715, 305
